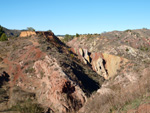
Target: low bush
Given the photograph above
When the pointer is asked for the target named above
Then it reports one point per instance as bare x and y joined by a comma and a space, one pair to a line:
128, 30
68, 37
77, 35
27, 107
30, 29
3, 36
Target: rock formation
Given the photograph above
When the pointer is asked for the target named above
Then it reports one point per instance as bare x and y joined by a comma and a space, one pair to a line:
104, 64
55, 84
45, 34
27, 33
108, 52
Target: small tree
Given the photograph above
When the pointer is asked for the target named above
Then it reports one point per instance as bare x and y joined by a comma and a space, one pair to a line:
1, 30
77, 35
68, 38
49, 30
30, 29
3, 37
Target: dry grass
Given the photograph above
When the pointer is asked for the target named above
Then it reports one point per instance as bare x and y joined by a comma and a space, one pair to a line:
121, 98
131, 95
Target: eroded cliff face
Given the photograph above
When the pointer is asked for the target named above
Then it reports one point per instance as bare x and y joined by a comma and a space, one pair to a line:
108, 53
42, 66
104, 64
44, 34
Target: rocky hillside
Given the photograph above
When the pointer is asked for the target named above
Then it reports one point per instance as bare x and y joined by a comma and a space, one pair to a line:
113, 49
39, 73
122, 57
100, 73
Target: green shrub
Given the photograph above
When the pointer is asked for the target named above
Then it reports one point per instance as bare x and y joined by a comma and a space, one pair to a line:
27, 107
72, 55
77, 35
68, 38
127, 49
144, 48
49, 30
128, 30
30, 29
3, 37
1, 30
89, 35
30, 70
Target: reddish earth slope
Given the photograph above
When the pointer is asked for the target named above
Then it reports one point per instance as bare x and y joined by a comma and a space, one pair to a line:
44, 66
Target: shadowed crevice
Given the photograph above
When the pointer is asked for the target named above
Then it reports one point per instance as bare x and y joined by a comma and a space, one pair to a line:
4, 78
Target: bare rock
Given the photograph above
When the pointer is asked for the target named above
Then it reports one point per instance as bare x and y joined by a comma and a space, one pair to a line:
27, 33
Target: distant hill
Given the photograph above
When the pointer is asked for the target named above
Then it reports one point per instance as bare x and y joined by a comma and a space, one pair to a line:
60, 35
11, 33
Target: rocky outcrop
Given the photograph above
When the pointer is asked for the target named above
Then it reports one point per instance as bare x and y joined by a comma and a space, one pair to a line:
99, 65
27, 33
57, 88
107, 65
113, 63
45, 34
60, 37
104, 64
119, 45
85, 56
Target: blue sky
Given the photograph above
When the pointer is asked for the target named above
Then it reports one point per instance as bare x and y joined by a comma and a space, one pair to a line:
75, 16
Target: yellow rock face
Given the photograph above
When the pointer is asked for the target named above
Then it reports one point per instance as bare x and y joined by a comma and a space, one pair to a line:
113, 63
27, 33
